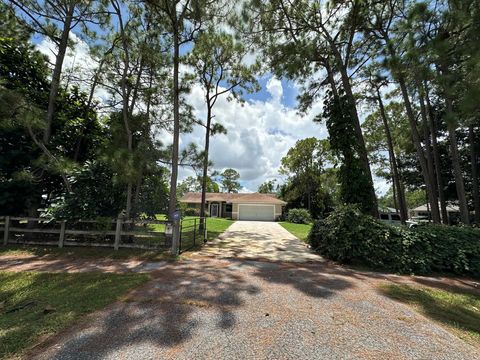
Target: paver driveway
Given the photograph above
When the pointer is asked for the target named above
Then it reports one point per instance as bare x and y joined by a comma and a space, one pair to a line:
259, 240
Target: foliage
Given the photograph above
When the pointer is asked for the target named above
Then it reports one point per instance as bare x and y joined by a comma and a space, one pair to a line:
348, 236
268, 187
299, 216
191, 212
52, 301
228, 179
354, 181
194, 184
94, 194
306, 185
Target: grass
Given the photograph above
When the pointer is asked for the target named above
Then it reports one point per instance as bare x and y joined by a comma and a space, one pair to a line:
84, 252
301, 231
34, 305
458, 311
215, 226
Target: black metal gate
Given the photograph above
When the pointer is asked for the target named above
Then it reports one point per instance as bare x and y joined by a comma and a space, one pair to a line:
193, 233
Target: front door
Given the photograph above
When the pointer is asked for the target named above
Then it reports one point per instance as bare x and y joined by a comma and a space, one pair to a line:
214, 210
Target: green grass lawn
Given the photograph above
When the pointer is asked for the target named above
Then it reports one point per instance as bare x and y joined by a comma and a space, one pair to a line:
459, 311
215, 226
34, 305
299, 230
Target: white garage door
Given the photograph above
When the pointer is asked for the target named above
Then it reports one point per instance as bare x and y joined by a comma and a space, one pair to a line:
256, 212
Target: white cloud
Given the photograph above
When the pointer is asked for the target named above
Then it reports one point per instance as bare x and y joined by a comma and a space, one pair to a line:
259, 134
274, 87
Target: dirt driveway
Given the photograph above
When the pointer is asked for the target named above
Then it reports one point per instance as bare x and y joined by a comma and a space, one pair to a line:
244, 309
259, 240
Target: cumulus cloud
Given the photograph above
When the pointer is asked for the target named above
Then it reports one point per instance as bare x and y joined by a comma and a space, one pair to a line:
275, 88
259, 134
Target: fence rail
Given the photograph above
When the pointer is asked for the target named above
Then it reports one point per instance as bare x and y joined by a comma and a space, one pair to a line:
116, 233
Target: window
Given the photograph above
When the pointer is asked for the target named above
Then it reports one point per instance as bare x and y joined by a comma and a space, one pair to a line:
396, 217
228, 207
384, 216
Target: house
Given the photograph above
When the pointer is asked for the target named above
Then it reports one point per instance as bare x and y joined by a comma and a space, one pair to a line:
245, 206
453, 212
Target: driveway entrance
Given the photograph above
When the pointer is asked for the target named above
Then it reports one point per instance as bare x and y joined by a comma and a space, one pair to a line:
259, 240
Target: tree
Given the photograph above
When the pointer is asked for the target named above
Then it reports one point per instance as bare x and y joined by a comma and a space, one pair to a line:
229, 181
268, 187
183, 21
375, 83
219, 67
301, 38
55, 20
304, 164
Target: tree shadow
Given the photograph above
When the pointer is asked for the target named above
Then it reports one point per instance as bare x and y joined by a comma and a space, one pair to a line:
162, 314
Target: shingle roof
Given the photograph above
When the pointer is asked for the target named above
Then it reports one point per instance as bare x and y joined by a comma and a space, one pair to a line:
192, 197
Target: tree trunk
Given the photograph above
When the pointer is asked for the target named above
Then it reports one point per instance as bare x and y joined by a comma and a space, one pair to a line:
402, 202
475, 182
205, 164
428, 146
57, 71
436, 157
457, 170
172, 205
399, 77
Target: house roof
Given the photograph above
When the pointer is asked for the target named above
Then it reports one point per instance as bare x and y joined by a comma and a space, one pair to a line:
193, 197
425, 208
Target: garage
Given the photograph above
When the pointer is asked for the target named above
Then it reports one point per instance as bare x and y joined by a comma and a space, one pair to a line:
256, 212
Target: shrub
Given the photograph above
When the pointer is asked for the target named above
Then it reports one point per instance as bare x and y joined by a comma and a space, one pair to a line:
299, 216
348, 236
191, 212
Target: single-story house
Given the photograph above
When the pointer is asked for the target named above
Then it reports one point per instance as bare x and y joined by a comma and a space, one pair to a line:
453, 212
244, 206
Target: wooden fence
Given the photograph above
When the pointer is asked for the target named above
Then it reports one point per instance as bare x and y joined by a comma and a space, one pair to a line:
119, 233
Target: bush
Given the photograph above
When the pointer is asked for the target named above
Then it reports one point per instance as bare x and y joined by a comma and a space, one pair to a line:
348, 236
191, 212
299, 216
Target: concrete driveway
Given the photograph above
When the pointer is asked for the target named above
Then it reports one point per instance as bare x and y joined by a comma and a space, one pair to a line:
259, 240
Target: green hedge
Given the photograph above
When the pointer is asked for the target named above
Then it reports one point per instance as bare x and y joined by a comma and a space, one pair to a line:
349, 236
299, 216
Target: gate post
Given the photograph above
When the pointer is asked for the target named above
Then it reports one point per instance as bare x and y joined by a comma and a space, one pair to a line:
6, 230
118, 234
62, 234
176, 233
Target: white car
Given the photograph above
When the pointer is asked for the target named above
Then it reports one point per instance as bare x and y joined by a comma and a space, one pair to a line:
417, 221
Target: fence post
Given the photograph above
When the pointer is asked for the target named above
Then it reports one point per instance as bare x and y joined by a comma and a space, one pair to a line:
62, 233
175, 236
118, 234
205, 234
194, 230
6, 230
